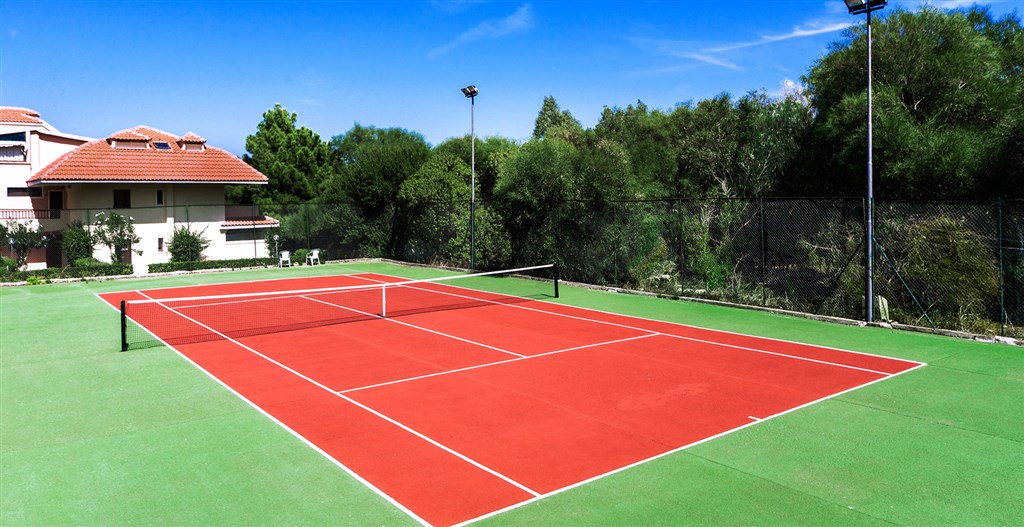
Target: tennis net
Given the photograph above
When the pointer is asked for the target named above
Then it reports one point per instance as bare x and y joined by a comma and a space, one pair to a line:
185, 320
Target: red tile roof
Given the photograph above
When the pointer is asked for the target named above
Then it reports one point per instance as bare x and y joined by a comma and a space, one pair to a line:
259, 222
101, 160
192, 138
11, 114
128, 135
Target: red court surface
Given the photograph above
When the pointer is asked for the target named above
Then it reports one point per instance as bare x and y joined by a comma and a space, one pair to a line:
458, 414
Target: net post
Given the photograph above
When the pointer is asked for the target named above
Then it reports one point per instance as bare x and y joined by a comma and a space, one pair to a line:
124, 327
556, 279
384, 301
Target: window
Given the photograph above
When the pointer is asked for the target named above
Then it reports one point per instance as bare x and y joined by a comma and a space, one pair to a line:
161, 145
12, 147
160, 245
159, 196
32, 192
122, 199
242, 235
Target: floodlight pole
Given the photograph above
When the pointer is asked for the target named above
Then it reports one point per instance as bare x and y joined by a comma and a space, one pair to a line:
869, 286
472, 183
471, 92
857, 7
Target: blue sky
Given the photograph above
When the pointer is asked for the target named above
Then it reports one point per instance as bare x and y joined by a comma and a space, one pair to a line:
92, 68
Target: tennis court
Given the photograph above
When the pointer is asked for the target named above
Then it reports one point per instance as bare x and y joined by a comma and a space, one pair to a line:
455, 403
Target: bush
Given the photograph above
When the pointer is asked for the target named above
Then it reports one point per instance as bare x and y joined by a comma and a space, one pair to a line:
299, 256
117, 232
211, 264
38, 276
187, 245
77, 243
8, 264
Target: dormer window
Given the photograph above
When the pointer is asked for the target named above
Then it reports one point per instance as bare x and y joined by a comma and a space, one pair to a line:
161, 145
129, 145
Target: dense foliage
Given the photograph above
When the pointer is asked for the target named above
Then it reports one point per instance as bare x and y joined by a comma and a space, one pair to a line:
116, 232
240, 263
667, 199
187, 245
21, 239
77, 242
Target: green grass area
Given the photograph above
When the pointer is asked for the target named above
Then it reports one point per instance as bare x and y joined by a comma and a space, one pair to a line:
91, 436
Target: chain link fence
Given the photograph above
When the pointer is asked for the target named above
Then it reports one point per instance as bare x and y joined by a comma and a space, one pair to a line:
949, 265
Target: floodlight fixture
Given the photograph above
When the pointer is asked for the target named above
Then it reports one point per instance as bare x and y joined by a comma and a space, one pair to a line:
857, 7
470, 91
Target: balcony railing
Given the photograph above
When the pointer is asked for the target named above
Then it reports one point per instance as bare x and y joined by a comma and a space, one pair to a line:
29, 214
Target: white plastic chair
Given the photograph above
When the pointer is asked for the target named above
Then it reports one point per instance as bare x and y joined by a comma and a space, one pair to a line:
286, 259
313, 258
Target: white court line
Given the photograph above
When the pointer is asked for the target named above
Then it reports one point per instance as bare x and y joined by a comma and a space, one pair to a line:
715, 343
408, 429
280, 423
661, 321
537, 496
521, 358
453, 337
679, 449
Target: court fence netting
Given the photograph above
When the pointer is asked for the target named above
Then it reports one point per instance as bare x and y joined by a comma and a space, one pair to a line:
952, 265
186, 320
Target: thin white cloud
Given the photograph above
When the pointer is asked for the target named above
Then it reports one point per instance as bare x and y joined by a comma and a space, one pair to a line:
519, 22
797, 32
723, 54
710, 59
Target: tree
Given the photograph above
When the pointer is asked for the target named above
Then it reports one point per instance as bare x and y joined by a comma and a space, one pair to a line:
117, 232
706, 139
371, 164
552, 119
771, 132
187, 245
437, 197
22, 239
77, 243
645, 136
489, 153
296, 162
947, 102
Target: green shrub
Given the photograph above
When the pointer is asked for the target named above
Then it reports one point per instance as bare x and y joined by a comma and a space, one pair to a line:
187, 245
299, 256
77, 243
117, 232
211, 264
82, 271
38, 280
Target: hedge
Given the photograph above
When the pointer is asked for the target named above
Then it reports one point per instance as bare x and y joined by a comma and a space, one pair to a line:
211, 264
82, 271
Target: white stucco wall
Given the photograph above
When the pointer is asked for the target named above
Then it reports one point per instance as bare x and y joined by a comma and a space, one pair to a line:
200, 206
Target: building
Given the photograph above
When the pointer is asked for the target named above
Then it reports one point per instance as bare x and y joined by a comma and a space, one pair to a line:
27, 144
158, 179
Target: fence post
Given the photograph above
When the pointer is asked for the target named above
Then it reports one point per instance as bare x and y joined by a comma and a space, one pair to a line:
1002, 281
764, 277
